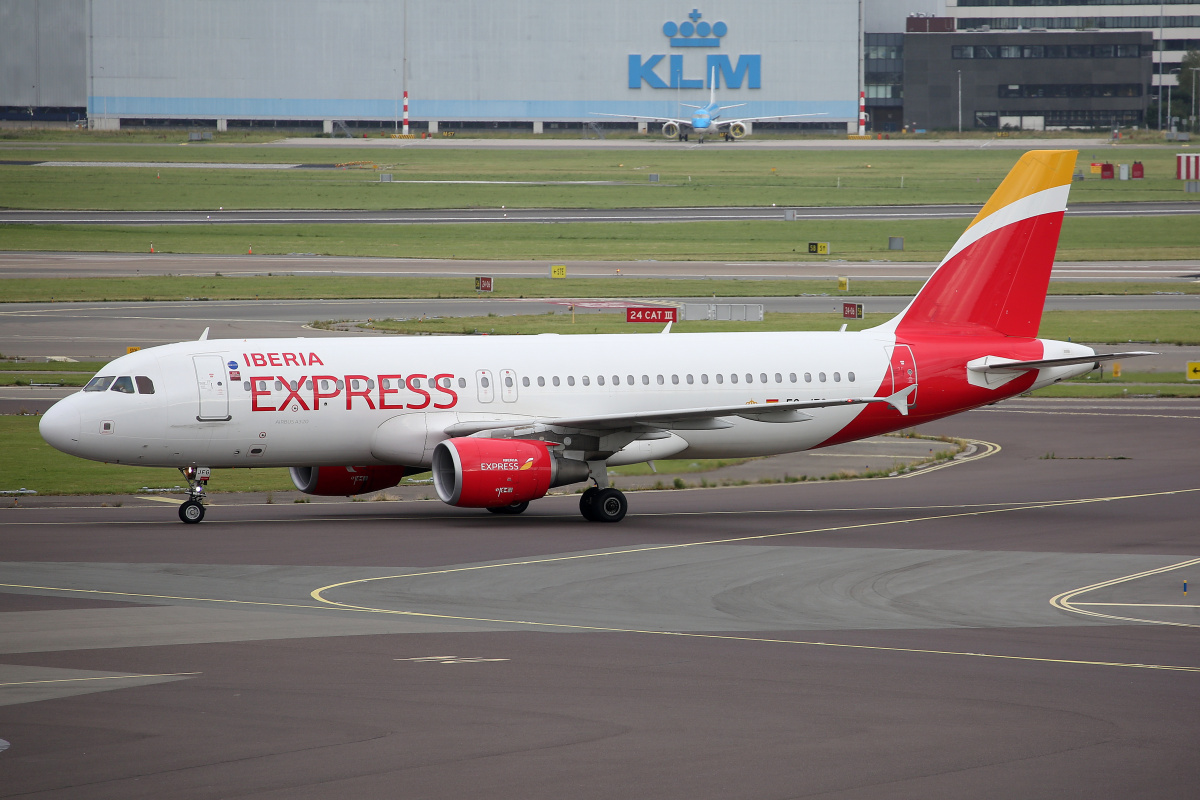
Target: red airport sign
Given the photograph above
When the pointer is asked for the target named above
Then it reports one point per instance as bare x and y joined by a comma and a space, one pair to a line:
852, 310
652, 314
483, 283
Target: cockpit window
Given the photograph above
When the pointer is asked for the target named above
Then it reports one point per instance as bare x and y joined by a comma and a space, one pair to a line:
144, 384
123, 384
100, 383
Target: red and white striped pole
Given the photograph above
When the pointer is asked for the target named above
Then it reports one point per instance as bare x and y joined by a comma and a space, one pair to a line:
862, 113
406, 112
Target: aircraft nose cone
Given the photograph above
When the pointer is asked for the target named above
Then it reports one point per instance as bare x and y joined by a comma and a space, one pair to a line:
60, 426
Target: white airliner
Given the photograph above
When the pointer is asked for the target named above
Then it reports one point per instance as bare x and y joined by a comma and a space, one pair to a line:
706, 119
502, 419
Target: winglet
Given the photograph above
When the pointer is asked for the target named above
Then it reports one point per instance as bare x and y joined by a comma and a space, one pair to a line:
204, 336
668, 328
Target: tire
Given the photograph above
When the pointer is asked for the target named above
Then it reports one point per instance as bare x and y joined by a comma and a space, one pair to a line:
587, 502
191, 512
610, 505
515, 508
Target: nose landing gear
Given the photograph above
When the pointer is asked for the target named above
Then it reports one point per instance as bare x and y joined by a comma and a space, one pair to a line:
192, 509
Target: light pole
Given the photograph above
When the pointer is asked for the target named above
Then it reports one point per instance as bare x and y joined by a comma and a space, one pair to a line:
960, 101
1194, 71
1160, 43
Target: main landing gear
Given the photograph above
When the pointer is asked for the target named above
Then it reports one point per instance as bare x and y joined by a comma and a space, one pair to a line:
192, 509
603, 505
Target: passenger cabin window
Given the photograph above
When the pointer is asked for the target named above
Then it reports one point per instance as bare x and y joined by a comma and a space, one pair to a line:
720, 378
144, 384
99, 383
556, 380
704, 378
123, 384
850, 377
733, 378
570, 380
808, 377
524, 381
541, 381
821, 376
462, 383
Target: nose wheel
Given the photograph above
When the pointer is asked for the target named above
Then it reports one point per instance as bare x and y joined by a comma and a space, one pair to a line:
191, 512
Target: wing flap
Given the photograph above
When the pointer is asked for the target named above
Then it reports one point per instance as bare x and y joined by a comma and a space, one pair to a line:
708, 418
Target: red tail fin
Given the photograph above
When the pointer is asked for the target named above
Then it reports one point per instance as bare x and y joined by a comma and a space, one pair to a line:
994, 278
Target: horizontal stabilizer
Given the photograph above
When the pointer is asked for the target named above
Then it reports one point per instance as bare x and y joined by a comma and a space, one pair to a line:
1021, 366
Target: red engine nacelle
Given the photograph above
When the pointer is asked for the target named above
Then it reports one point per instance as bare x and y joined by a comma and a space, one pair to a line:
347, 481
489, 473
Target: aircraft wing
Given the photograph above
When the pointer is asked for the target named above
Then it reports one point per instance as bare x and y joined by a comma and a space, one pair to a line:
635, 117
723, 122
684, 418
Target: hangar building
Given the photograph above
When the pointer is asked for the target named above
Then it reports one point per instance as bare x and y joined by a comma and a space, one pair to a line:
526, 61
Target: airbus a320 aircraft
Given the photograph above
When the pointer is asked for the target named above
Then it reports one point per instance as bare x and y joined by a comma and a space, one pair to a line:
706, 119
503, 419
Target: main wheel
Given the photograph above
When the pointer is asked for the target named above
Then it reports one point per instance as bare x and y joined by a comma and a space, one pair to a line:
587, 504
191, 512
610, 506
515, 508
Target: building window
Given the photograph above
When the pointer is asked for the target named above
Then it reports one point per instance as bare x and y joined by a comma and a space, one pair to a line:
987, 119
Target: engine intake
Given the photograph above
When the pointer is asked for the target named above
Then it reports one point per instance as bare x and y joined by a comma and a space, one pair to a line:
347, 481
670, 130
489, 473
737, 130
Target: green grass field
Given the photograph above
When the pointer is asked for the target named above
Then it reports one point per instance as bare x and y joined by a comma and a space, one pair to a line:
467, 178
1083, 239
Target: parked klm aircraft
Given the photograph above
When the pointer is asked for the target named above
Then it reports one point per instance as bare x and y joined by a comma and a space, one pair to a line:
501, 420
706, 119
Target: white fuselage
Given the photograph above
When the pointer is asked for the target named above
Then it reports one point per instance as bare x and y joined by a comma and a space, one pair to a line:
229, 403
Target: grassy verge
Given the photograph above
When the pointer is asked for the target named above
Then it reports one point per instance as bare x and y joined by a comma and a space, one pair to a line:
26, 461
707, 176
283, 286
1075, 389
1083, 239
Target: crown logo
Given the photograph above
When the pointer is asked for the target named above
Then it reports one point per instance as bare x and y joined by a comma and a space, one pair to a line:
694, 32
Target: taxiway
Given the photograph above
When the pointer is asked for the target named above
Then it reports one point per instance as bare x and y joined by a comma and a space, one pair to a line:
1009, 625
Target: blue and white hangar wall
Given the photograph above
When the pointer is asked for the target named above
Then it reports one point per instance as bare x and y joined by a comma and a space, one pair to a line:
467, 60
